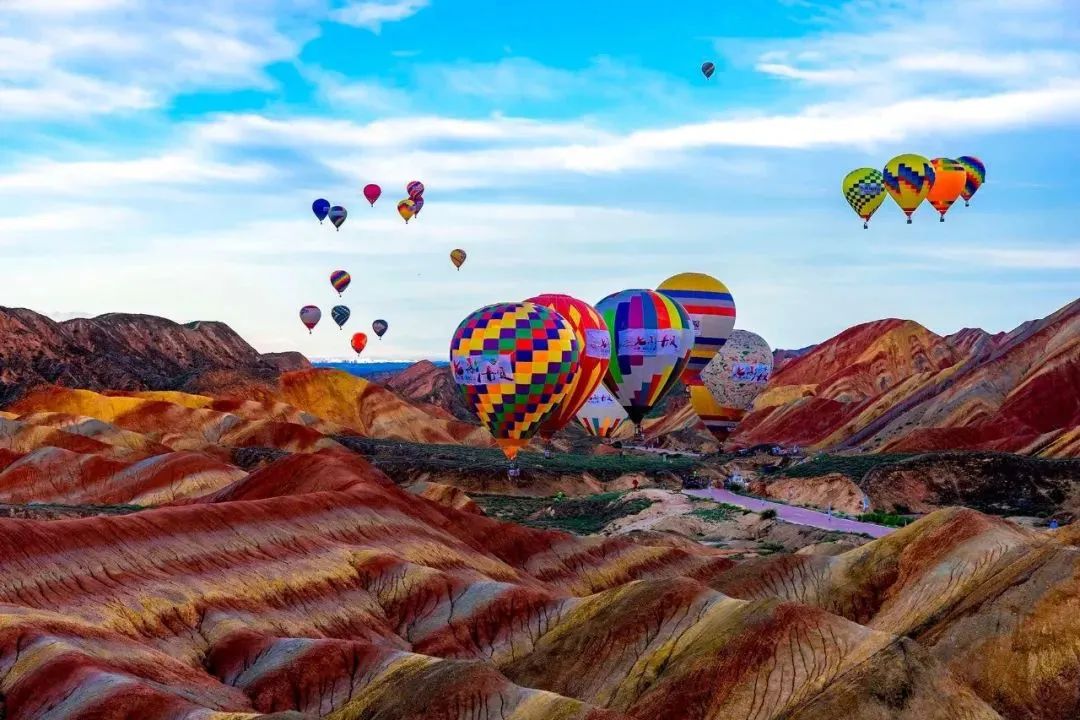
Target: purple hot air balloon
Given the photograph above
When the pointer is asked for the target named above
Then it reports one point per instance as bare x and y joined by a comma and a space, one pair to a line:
321, 208
415, 189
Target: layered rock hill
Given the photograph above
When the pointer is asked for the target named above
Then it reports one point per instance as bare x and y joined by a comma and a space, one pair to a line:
892, 385
120, 351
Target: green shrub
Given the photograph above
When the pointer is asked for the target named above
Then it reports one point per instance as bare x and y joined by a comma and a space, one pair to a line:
768, 514
718, 512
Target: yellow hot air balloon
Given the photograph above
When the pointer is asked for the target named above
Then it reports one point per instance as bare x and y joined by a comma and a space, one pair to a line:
405, 209
908, 178
864, 189
457, 257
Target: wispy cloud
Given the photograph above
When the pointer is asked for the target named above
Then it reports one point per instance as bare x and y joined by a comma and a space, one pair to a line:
373, 14
1019, 258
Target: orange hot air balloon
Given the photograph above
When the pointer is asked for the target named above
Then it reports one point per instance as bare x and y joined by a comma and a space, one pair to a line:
949, 180
359, 342
458, 258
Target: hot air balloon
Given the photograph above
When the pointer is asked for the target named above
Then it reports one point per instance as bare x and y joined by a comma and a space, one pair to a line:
601, 415
379, 327
415, 189
310, 316
340, 315
358, 342
908, 179
736, 376
514, 363
976, 176
405, 209
418, 205
340, 280
594, 344
949, 180
321, 208
651, 338
707, 69
338, 215
864, 189
457, 257
372, 193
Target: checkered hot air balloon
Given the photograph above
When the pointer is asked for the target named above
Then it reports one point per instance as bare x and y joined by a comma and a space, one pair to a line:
864, 190
595, 352
651, 340
514, 363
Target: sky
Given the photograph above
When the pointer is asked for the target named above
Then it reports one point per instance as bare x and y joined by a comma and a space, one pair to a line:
158, 159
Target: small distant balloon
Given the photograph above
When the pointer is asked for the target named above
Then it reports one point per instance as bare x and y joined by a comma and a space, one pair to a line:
340, 280
976, 176
418, 205
338, 215
310, 316
415, 189
457, 257
379, 327
372, 193
321, 208
707, 69
341, 315
359, 342
405, 209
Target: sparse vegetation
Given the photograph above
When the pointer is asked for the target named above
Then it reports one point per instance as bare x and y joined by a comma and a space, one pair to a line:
582, 516
887, 519
769, 514
770, 548
718, 512
854, 466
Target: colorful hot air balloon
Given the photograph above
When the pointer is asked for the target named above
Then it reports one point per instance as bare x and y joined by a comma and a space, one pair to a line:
338, 215
864, 189
976, 176
340, 280
321, 208
379, 327
310, 316
736, 376
594, 344
707, 69
514, 363
340, 315
457, 257
949, 180
358, 342
601, 415
405, 209
372, 193
415, 189
651, 337
908, 179
418, 205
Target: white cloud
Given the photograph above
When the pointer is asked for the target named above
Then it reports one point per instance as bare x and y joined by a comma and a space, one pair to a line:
373, 14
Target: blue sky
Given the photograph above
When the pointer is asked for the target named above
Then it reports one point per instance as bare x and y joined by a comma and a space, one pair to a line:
160, 160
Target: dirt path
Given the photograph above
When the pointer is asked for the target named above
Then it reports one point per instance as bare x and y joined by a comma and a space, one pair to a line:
792, 514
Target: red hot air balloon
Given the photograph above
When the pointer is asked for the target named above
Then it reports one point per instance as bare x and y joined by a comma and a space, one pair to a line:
372, 193
359, 342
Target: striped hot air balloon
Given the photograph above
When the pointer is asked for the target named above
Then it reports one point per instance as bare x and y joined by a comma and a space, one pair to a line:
651, 340
595, 345
340, 280
601, 415
976, 176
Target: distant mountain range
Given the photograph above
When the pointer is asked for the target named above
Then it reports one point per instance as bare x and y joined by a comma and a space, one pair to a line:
372, 369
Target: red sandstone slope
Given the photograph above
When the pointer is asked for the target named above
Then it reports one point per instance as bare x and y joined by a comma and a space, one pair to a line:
893, 385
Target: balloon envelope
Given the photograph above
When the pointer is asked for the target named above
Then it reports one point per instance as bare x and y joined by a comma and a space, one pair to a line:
736, 376
864, 190
418, 205
949, 180
415, 189
340, 315
338, 215
372, 193
601, 415
321, 208
405, 209
514, 363
458, 258
712, 314
594, 352
379, 327
310, 316
651, 339
359, 342
908, 179
707, 69
340, 280
976, 175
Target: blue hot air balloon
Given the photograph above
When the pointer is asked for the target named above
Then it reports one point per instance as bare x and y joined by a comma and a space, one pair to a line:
321, 208
340, 314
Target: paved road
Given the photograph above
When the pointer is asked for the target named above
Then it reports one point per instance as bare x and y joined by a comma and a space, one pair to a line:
792, 514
